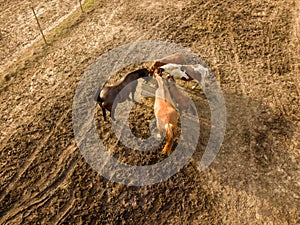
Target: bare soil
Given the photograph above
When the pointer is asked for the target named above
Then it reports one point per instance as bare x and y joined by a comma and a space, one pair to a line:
252, 48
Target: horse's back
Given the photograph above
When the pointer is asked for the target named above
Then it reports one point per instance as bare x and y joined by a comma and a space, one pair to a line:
136, 75
165, 112
162, 91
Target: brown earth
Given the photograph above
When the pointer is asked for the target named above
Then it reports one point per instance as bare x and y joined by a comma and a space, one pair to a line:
253, 49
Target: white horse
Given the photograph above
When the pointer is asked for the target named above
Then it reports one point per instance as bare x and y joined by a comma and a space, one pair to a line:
196, 72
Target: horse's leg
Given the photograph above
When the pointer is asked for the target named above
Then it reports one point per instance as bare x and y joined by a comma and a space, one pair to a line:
112, 114
133, 89
103, 113
195, 85
132, 96
160, 127
192, 110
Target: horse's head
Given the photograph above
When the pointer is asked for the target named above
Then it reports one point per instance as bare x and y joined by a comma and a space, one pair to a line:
170, 78
157, 72
143, 72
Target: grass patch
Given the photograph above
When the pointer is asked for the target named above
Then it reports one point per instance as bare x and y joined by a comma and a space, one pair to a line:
88, 4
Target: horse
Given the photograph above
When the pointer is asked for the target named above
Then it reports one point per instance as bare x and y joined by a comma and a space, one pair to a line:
106, 96
165, 113
175, 71
182, 101
174, 59
196, 73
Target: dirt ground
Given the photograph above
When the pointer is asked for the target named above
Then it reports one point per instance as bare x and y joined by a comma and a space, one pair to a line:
252, 48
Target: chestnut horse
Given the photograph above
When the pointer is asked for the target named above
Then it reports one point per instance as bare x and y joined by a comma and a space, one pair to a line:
165, 113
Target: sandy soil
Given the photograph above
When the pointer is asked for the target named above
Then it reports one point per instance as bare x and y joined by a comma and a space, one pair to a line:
253, 49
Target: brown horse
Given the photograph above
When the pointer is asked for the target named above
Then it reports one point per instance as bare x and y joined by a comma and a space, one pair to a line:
106, 96
182, 101
165, 113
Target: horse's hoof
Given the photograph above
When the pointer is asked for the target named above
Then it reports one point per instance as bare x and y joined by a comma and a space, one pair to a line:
158, 137
165, 155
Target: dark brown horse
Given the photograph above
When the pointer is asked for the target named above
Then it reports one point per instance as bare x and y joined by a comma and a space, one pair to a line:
106, 96
181, 100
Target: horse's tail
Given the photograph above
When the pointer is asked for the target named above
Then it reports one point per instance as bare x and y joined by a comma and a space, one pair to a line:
169, 141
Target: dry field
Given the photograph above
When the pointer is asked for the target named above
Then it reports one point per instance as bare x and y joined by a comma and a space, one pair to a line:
253, 48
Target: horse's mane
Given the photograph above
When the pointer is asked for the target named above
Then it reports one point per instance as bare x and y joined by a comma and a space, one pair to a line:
136, 74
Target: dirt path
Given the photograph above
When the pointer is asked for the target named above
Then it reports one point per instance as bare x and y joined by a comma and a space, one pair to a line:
253, 48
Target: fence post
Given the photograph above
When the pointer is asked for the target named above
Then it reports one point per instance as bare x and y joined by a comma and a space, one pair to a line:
38, 23
80, 6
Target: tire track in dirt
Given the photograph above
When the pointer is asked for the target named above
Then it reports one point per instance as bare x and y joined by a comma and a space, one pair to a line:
238, 64
65, 211
295, 145
30, 159
16, 211
296, 44
68, 170
47, 193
